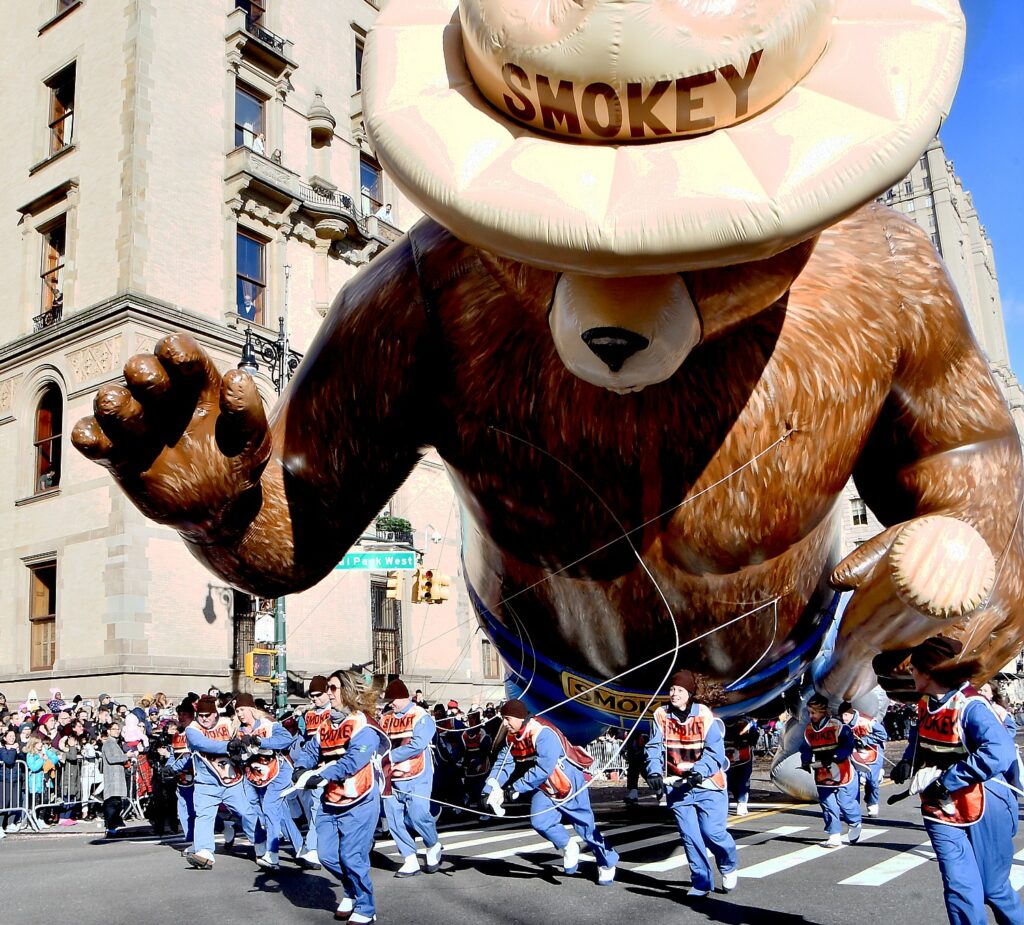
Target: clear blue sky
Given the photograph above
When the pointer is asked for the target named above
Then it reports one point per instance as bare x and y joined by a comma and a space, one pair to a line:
984, 137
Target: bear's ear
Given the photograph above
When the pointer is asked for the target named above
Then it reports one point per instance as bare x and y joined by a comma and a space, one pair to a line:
727, 296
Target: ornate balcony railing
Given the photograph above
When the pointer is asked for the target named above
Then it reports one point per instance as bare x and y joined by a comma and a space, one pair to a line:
264, 35
48, 318
394, 536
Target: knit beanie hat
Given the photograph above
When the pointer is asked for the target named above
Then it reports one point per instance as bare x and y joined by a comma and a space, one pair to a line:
318, 684
685, 679
934, 652
245, 700
515, 708
396, 690
206, 704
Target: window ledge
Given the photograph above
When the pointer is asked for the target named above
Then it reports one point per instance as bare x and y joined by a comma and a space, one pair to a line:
46, 161
53, 20
31, 499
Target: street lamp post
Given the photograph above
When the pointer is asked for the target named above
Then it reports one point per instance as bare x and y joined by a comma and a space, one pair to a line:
281, 361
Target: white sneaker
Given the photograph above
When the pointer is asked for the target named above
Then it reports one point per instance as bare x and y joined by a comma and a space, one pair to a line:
605, 876
694, 893
741, 809
433, 857
260, 848
833, 841
187, 850
873, 810
357, 918
410, 867
633, 796
345, 907
204, 860
229, 835
269, 861
854, 834
730, 880
571, 856
309, 859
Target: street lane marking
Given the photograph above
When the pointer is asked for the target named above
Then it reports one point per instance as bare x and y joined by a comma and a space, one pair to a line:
800, 856
539, 845
893, 867
1017, 873
679, 860
506, 836
390, 842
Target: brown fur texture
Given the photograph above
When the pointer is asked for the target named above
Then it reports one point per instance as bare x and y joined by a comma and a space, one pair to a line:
863, 366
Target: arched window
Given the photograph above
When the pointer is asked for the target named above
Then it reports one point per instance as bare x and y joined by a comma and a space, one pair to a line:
49, 424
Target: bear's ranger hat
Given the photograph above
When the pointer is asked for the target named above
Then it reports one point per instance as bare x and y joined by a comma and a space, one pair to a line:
619, 138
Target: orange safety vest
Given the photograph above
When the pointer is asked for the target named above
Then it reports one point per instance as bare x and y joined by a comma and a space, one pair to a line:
863, 757
478, 758
313, 719
399, 730
823, 742
179, 745
523, 748
940, 744
333, 745
221, 765
261, 770
684, 741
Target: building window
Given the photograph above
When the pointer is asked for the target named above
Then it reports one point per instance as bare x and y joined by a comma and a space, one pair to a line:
255, 10
62, 108
359, 62
492, 666
251, 277
935, 240
909, 204
859, 510
43, 615
908, 186
51, 272
370, 184
249, 129
243, 626
49, 423
386, 629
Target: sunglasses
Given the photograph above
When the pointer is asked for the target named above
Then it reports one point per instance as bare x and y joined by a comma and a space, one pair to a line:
334, 687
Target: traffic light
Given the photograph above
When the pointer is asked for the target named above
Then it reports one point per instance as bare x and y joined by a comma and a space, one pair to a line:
426, 586
394, 591
260, 664
442, 587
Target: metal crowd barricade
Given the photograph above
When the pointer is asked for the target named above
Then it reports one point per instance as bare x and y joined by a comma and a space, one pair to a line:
72, 784
608, 757
13, 795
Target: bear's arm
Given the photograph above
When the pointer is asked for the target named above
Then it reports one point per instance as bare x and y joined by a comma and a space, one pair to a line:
944, 442
347, 432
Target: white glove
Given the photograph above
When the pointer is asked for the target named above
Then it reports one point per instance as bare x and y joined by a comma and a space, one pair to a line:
923, 778
495, 797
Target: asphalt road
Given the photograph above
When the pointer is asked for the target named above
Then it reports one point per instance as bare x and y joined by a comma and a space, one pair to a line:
501, 873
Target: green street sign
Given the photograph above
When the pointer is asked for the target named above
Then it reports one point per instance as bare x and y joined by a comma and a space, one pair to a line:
378, 561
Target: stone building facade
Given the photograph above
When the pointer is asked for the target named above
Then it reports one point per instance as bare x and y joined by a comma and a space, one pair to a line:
202, 170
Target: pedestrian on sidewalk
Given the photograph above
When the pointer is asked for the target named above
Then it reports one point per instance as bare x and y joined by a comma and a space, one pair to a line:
115, 781
962, 760
538, 758
686, 760
825, 752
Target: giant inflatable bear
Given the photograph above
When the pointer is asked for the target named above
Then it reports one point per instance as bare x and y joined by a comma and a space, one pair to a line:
658, 321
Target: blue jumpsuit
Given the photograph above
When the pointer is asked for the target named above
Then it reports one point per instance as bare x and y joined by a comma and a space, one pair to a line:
345, 833
271, 808
975, 860
868, 732
210, 791
740, 738
547, 813
701, 813
181, 764
408, 808
307, 800
838, 803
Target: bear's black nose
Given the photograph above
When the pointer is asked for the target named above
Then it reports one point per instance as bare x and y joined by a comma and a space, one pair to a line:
614, 346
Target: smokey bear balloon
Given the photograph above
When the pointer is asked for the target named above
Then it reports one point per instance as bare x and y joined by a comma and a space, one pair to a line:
658, 321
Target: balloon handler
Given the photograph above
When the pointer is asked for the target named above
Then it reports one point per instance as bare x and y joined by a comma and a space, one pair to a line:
961, 759
537, 757
868, 756
825, 753
411, 730
218, 781
686, 759
348, 761
653, 298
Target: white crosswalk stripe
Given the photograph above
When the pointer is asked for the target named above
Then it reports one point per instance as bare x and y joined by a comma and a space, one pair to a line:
800, 856
678, 860
443, 834
541, 845
892, 867
1017, 872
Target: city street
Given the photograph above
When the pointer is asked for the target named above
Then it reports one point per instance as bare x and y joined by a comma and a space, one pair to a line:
505, 873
